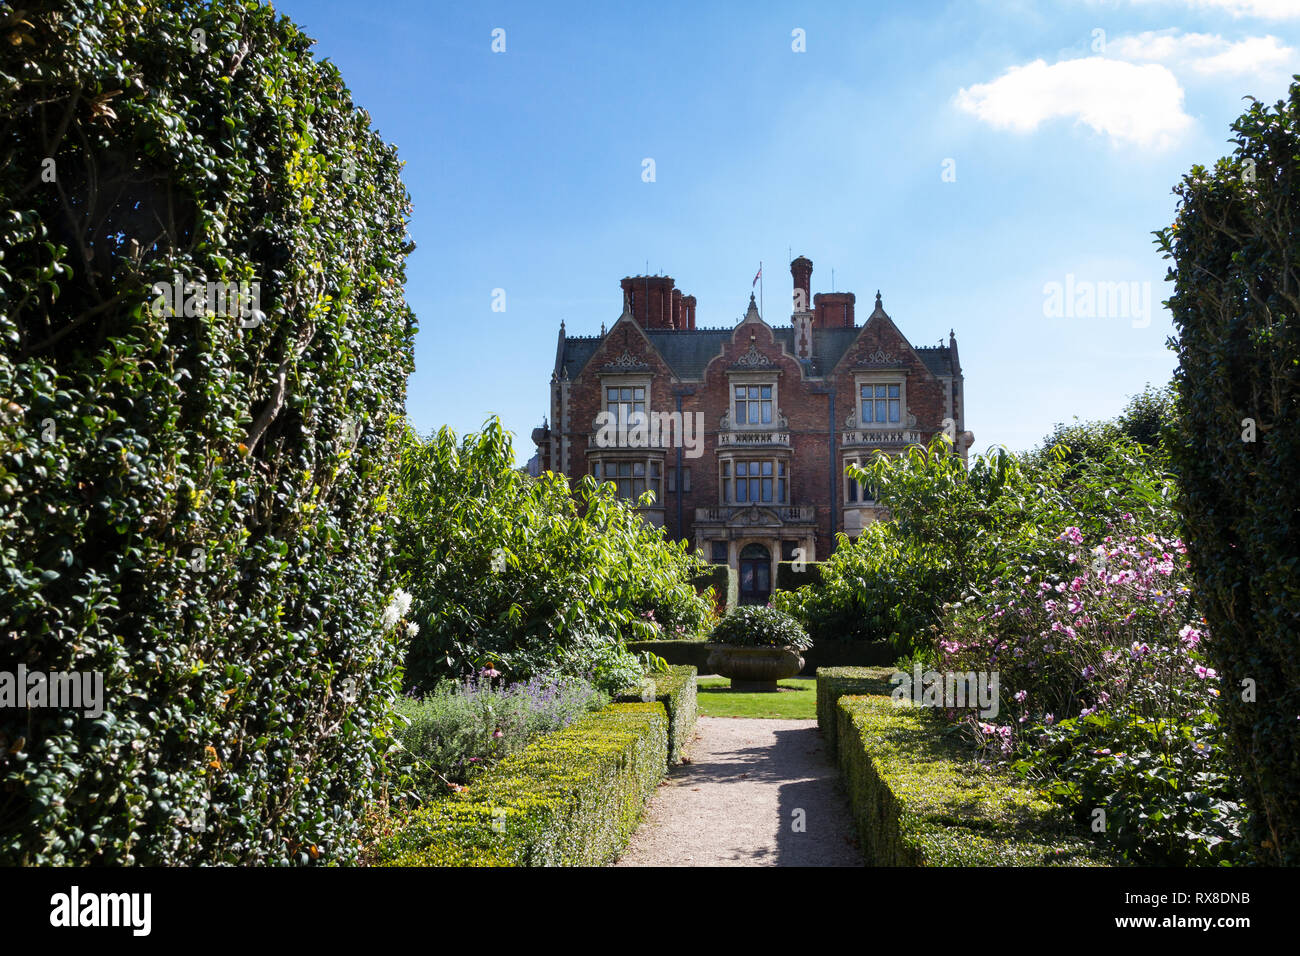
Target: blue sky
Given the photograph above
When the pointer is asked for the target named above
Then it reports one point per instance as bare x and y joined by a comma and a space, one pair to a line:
1060, 145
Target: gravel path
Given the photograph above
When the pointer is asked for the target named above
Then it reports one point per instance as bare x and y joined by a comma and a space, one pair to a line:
738, 802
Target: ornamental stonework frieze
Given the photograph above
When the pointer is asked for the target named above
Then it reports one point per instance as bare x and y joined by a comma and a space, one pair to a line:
626, 362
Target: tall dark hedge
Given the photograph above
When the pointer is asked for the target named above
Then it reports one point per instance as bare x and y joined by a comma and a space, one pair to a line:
193, 505
1235, 247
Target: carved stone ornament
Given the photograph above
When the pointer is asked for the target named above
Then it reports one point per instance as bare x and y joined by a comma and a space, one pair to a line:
626, 363
753, 359
879, 359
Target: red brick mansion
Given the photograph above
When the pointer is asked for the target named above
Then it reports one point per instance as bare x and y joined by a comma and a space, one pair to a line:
742, 434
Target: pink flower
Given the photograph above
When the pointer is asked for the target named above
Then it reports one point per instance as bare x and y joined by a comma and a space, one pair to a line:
1204, 672
1189, 635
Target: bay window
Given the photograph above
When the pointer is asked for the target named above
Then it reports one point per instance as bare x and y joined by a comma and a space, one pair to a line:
754, 481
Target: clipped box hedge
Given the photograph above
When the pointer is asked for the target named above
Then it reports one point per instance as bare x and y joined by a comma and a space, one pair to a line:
571, 798
921, 798
677, 691
789, 579
836, 682
725, 581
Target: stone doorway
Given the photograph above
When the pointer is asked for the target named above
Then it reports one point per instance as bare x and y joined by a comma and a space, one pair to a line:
755, 574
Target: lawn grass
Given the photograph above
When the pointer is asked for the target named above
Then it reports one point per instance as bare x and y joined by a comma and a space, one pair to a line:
795, 700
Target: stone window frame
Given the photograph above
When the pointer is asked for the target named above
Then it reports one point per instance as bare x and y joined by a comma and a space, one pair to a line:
653, 463
882, 377
727, 477
771, 377
625, 380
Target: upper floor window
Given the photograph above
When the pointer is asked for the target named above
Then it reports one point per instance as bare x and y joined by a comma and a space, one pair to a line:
754, 482
624, 401
753, 404
880, 404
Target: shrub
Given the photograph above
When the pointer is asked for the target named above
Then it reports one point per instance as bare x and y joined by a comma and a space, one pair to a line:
954, 529
676, 689
755, 626
921, 798
1104, 694
462, 729
192, 504
1146, 421
1237, 449
527, 574
571, 798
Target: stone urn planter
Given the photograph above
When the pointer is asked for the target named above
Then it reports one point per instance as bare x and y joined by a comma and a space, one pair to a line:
754, 668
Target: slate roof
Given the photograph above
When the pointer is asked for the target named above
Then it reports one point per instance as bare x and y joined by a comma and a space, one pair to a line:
937, 358
688, 352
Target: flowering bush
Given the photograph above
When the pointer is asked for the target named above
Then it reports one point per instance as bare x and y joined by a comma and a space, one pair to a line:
465, 727
1105, 696
754, 626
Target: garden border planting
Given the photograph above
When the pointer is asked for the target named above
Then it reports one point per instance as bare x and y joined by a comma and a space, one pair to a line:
571, 798
920, 798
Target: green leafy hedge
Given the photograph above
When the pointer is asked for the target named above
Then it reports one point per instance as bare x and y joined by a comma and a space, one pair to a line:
788, 578
676, 689
921, 799
192, 502
1236, 309
836, 682
572, 798
725, 582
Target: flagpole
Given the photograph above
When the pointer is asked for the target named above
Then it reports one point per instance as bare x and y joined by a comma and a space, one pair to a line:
760, 287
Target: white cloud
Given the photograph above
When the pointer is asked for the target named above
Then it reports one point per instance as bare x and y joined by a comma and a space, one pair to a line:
1204, 53
1260, 9
1131, 104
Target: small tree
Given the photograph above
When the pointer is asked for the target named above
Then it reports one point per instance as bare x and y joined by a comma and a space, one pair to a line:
1235, 246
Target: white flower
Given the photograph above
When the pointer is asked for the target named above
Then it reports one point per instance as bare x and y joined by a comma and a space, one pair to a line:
397, 608
412, 629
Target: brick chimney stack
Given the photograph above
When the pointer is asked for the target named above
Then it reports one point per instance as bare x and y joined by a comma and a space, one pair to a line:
801, 269
834, 310
657, 305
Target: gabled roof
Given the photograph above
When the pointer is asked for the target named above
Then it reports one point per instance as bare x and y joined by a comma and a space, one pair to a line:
688, 352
